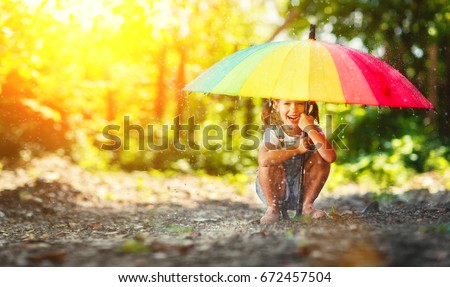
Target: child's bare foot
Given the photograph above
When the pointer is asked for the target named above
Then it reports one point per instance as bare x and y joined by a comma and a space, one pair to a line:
270, 217
314, 213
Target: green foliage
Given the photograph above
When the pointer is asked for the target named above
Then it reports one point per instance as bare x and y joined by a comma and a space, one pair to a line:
384, 147
438, 160
88, 155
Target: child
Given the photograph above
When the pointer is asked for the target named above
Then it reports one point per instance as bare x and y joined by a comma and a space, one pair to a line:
279, 159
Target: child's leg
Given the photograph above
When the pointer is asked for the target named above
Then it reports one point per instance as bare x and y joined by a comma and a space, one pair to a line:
273, 184
316, 174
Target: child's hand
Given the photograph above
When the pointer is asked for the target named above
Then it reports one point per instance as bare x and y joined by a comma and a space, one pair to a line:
305, 121
304, 145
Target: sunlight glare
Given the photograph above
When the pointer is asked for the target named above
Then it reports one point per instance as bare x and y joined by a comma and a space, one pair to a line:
84, 12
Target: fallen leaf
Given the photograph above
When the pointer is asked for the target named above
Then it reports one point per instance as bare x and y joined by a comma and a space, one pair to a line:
95, 225
28, 237
55, 257
60, 233
164, 247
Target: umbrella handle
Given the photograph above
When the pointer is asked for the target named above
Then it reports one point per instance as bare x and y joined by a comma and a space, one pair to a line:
312, 32
301, 188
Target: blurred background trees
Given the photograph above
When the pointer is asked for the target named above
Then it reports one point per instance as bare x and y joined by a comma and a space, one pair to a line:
69, 68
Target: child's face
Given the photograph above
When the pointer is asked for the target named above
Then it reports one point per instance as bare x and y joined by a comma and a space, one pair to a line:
290, 111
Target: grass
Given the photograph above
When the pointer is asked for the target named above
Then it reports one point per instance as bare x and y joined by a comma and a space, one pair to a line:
135, 245
179, 229
443, 228
384, 197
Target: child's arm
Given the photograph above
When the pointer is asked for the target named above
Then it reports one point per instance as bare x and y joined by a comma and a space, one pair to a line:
316, 135
270, 156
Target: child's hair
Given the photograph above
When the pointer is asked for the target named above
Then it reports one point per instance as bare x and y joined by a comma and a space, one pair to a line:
269, 117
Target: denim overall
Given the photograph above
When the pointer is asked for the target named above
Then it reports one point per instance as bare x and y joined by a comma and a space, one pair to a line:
291, 168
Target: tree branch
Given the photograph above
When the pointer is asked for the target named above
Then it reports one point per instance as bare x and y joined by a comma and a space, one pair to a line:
293, 14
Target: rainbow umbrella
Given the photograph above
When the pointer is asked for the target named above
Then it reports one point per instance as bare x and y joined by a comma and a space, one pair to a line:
309, 71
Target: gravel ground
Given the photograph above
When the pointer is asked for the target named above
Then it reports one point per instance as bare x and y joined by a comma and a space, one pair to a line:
53, 213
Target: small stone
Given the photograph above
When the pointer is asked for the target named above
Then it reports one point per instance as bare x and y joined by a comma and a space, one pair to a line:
353, 227
373, 207
160, 255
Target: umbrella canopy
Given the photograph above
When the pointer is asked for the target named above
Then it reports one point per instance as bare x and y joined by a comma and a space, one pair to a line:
309, 71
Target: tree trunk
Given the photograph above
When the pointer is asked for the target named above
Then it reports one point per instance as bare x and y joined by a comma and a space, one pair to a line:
432, 80
249, 107
445, 123
160, 100
180, 83
110, 106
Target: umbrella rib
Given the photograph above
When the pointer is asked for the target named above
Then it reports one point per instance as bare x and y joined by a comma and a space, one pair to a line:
309, 71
